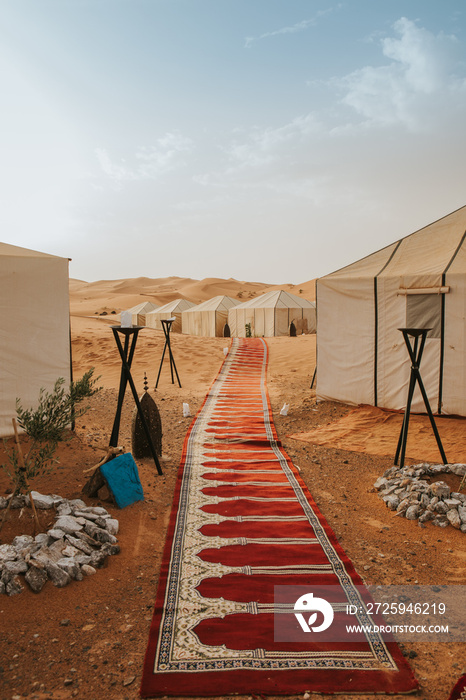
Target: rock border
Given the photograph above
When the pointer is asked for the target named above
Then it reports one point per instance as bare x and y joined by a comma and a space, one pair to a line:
78, 544
405, 491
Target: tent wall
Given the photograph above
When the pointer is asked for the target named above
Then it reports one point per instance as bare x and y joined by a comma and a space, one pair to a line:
393, 365
454, 362
420, 281
154, 320
201, 323
174, 310
237, 320
34, 329
271, 320
208, 319
139, 313
345, 340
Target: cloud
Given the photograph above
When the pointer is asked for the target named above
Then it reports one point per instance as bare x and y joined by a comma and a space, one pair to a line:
424, 72
262, 147
332, 154
293, 29
148, 162
119, 172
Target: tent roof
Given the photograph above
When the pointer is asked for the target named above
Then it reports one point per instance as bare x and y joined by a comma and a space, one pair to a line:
430, 250
277, 299
221, 302
175, 305
16, 251
143, 307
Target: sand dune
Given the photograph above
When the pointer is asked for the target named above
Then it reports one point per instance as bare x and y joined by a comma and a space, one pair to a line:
113, 296
96, 305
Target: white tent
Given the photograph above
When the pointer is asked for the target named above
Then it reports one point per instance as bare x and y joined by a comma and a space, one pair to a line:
173, 309
416, 282
209, 318
34, 328
272, 314
138, 312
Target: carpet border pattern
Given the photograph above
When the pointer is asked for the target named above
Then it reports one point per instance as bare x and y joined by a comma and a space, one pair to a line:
175, 652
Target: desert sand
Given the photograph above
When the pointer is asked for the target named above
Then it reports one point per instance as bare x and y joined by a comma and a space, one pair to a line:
88, 640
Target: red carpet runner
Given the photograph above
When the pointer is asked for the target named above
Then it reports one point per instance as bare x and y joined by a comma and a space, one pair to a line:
243, 522
459, 691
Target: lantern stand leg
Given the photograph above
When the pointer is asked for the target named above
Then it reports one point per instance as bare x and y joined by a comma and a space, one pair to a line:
431, 418
172, 361
415, 353
161, 363
404, 428
124, 379
166, 325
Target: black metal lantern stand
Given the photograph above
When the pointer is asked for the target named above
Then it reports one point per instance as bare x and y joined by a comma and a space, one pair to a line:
415, 353
166, 325
127, 354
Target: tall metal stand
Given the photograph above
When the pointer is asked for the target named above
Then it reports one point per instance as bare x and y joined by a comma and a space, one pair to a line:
415, 353
127, 354
166, 325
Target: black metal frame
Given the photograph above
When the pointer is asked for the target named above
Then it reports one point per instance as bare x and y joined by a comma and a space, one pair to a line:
415, 353
127, 354
166, 325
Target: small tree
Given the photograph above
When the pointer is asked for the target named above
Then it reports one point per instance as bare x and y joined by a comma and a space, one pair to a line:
46, 426
248, 329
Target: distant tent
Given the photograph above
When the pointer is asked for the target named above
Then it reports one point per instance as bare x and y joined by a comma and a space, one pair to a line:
173, 309
272, 314
139, 312
34, 328
209, 318
416, 282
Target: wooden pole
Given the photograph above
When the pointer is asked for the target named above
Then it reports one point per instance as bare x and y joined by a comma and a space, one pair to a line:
22, 467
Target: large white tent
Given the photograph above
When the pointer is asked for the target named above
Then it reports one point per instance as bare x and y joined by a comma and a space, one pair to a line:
173, 309
209, 318
138, 312
416, 282
34, 328
272, 314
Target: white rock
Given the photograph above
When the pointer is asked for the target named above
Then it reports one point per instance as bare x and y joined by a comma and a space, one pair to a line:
41, 538
86, 514
88, 569
57, 575
462, 513
55, 533
68, 524
15, 567
77, 503
42, 502
98, 510
458, 469
7, 552
112, 525
412, 512
22, 541
64, 508
454, 518
71, 567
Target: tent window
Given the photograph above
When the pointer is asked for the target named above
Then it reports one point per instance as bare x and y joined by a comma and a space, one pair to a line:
424, 311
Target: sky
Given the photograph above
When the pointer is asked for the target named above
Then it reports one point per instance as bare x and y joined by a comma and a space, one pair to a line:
266, 140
